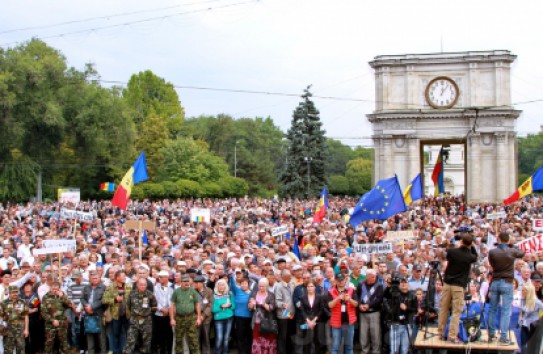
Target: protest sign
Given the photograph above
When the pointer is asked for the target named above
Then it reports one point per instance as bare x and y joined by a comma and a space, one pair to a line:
40, 251
532, 245
70, 245
373, 248
497, 215
76, 214
537, 224
398, 236
200, 215
277, 231
69, 195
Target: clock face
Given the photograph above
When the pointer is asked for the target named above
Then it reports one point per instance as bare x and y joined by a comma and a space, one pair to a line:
442, 93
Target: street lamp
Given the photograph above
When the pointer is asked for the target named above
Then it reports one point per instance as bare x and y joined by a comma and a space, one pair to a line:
236, 159
308, 160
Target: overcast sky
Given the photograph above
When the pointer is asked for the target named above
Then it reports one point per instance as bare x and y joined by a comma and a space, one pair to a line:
281, 46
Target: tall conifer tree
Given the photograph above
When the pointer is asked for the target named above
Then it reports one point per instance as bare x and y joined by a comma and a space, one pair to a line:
304, 175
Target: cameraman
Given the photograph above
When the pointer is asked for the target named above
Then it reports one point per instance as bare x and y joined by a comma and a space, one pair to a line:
459, 262
400, 304
502, 260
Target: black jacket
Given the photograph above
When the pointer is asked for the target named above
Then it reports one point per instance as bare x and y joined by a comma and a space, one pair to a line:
392, 310
308, 311
459, 261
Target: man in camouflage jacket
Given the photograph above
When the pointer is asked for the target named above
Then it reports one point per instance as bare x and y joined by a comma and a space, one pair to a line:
15, 312
54, 304
140, 306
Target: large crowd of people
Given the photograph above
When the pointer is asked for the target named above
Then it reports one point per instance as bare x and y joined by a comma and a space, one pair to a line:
236, 282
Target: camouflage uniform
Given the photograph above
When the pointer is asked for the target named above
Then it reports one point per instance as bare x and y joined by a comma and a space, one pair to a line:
185, 319
140, 307
52, 308
14, 313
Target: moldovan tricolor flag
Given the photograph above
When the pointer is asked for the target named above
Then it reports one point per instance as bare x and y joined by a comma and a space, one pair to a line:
437, 175
321, 208
534, 183
136, 174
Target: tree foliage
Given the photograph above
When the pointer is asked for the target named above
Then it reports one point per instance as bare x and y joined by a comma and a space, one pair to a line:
358, 174
186, 158
338, 156
530, 158
147, 94
251, 147
304, 173
53, 119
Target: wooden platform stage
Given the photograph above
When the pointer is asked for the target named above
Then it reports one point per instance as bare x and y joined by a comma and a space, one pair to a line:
433, 342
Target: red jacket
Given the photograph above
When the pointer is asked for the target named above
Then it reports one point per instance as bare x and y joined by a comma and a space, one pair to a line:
335, 312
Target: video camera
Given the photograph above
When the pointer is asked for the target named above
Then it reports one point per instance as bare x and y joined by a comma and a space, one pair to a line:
462, 229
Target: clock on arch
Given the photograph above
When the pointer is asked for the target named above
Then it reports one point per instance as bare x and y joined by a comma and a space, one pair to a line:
442, 92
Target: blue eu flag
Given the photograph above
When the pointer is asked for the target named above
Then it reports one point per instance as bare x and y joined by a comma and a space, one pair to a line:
383, 201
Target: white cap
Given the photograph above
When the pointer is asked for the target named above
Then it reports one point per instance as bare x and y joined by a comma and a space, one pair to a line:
296, 267
181, 263
163, 273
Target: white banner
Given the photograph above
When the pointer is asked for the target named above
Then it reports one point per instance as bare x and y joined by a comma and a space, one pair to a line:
200, 215
41, 251
537, 224
70, 245
497, 215
281, 230
397, 236
373, 248
76, 214
532, 245
69, 195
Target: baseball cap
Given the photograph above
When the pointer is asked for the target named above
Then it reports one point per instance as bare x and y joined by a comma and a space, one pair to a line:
13, 288
199, 279
163, 273
76, 274
185, 277
340, 277
182, 263
417, 267
296, 267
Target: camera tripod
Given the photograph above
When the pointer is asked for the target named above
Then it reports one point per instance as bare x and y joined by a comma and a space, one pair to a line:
431, 294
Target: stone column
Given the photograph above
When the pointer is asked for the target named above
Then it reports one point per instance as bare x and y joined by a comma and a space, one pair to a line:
501, 166
473, 187
388, 158
414, 158
378, 157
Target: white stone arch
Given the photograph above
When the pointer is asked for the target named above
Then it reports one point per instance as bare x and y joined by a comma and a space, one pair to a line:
448, 184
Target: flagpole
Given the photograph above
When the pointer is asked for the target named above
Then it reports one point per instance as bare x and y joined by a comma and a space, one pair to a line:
140, 238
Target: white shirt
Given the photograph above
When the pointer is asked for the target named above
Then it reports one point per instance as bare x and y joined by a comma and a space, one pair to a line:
24, 252
163, 295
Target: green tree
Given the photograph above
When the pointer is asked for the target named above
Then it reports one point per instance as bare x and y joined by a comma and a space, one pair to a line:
58, 122
363, 153
147, 93
529, 155
304, 172
339, 185
251, 147
152, 137
185, 158
338, 156
358, 174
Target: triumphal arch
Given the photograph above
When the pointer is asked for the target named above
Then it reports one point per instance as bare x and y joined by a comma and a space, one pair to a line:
441, 99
